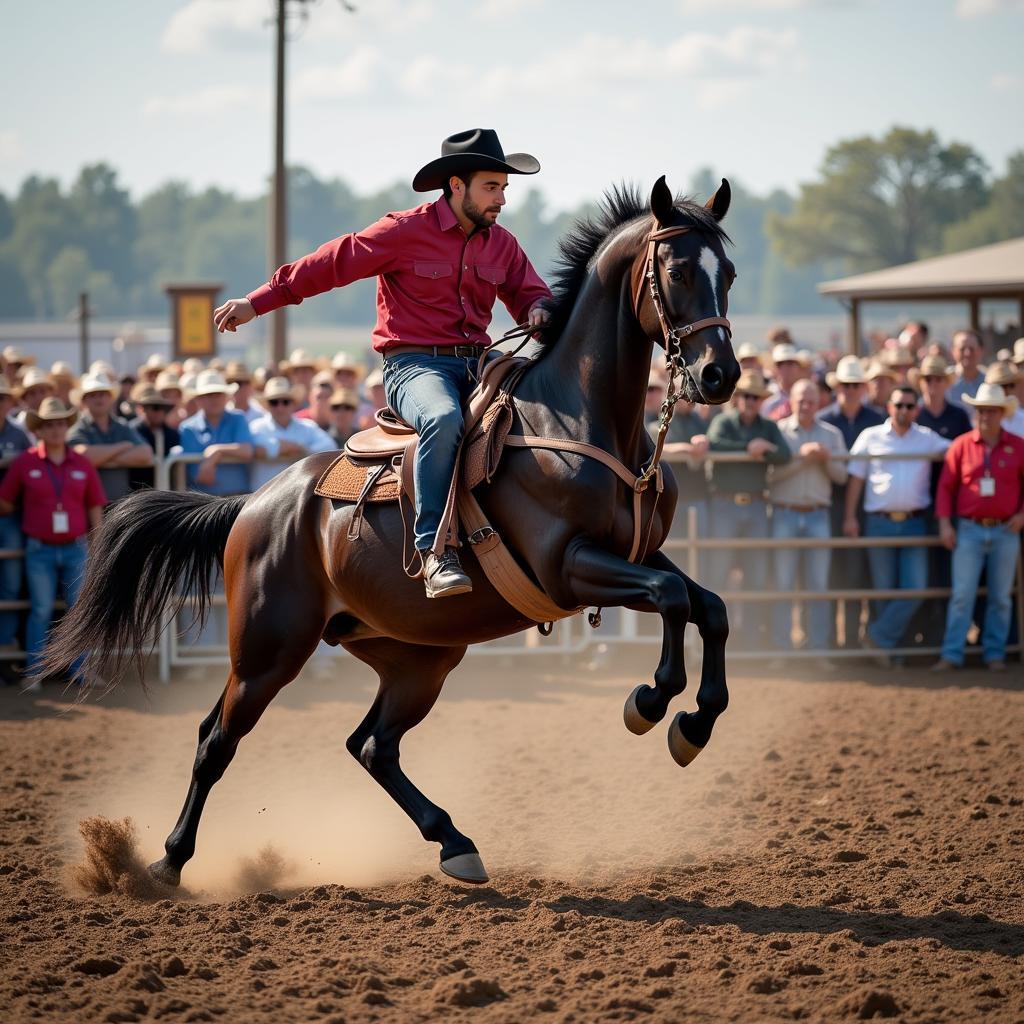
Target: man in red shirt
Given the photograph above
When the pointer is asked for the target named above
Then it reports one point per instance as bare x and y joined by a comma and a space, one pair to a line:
982, 483
439, 269
62, 499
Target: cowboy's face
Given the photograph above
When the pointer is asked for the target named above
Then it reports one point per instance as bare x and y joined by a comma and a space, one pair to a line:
281, 408
966, 351
212, 404
787, 373
482, 199
990, 418
934, 386
804, 400
98, 403
52, 432
33, 396
903, 408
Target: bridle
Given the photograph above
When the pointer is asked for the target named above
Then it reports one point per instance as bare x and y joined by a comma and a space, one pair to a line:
673, 336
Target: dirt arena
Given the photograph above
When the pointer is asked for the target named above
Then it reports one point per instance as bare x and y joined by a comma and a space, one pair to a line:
844, 849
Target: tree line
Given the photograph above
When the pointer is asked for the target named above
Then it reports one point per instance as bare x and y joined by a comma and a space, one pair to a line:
875, 202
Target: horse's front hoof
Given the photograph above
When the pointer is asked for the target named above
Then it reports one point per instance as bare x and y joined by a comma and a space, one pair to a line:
466, 867
682, 750
635, 722
165, 874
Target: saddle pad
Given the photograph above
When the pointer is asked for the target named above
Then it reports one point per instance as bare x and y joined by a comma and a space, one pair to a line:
344, 480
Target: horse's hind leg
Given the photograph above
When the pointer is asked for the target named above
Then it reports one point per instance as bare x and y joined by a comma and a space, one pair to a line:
411, 677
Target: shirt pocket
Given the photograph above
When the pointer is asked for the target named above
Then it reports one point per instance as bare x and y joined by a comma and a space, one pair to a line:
432, 269
490, 273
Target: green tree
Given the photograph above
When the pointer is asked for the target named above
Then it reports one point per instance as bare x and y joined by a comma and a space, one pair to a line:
105, 222
882, 201
72, 273
1000, 219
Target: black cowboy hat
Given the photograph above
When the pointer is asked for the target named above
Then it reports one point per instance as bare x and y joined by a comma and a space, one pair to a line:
475, 150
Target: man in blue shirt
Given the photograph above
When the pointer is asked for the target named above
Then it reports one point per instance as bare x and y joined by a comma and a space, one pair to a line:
221, 435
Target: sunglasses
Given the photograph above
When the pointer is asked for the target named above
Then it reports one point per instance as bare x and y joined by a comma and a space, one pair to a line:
933, 379
904, 405
336, 408
279, 401
851, 385
155, 408
746, 397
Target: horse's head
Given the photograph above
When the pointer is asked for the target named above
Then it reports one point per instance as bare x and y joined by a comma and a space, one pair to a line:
684, 270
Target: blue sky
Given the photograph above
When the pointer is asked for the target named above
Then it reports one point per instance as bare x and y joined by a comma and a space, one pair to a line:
599, 91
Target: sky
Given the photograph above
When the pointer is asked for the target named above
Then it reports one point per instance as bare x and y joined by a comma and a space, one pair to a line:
598, 91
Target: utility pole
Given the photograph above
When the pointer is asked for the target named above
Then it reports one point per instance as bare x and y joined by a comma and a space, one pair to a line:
279, 184
83, 329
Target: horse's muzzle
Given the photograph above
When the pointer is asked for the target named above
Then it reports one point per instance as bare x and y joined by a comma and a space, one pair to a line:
715, 380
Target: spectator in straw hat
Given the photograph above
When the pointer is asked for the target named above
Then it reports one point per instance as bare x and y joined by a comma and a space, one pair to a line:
221, 435
1007, 376
347, 372
63, 378
108, 443
738, 507
152, 368
787, 369
151, 424
982, 485
344, 403
880, 381
14, 361
373, 389
13, 441
850, 415
281, 434
61, 499
192, 365
899, 360
124, 409
36, 385
945, 418
319, 408
238, 377
748, 355
171, 387
299, 369
969, 372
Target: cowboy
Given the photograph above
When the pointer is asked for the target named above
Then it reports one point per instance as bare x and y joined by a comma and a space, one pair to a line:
1007, 376
62, 499
983, 485
439, 268
151, 425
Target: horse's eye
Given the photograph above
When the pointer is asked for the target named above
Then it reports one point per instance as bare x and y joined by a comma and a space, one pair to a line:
675, 275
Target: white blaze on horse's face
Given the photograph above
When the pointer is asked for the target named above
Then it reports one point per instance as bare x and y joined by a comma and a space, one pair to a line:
709, 263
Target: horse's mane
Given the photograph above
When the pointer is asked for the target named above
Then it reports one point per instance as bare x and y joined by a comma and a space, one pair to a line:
584, 240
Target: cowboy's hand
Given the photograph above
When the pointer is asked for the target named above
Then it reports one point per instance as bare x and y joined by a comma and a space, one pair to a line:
759, 447
233, 314
699, 444
1015, 523
947, 534
851, 527
537, 317
207, 472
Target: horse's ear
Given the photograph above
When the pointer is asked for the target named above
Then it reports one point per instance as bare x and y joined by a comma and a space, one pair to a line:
718, 204
661, 201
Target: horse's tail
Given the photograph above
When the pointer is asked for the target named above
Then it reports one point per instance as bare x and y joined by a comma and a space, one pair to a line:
153, 551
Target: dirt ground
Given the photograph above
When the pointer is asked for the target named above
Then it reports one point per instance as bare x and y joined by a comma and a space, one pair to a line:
845, 848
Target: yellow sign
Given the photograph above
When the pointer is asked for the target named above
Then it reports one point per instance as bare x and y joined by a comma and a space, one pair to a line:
192, 319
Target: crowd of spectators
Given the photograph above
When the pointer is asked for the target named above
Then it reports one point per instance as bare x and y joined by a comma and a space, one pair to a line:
799, 454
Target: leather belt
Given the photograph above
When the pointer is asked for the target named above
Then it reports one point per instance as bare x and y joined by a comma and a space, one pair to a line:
799, 508
987, 521
900, 517
461, 351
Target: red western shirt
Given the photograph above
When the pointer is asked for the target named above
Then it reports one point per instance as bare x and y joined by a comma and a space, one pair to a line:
435, 285
44, 488
964, 468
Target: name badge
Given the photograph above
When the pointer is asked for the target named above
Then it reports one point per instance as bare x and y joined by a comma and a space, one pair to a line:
987, 487
61, 522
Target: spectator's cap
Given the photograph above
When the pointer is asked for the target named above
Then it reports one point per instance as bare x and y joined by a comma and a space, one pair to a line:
345, 398
1018, 350
785, 352
101, 368
237, 373
168, 380
156, 362
216, 363
375, 379
300, 359
13, 354
93, 383
211, 382
748, 350
279, 387
343, 361
751, 383
50, 409
323, 377
989, 396
1002, 374
804, 357
62, 371
34, 377
877, 369
935, 366
192, 365
898, 357
186, 382
850, 370
147, 394
779, 336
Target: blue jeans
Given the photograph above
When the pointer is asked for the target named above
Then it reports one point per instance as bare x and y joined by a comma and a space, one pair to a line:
895, 568
10, 575
813, 564
46, 566
995, 549
427, 392
731, 520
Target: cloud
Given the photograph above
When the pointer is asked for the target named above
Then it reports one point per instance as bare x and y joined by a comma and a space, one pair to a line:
216, 99
1007, 81
196, 27
353, 77
981, 8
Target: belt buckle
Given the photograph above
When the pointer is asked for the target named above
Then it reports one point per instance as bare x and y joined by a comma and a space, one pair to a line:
465, 351
742, 499
899, 517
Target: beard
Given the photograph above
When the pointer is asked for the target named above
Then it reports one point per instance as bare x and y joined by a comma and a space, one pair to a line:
477, 215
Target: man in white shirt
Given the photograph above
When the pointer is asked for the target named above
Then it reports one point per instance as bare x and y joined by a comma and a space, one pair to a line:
279, 435
897, 494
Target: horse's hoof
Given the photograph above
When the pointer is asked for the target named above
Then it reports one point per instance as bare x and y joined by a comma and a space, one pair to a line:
165, 873
466, 867
635, 722
682, 750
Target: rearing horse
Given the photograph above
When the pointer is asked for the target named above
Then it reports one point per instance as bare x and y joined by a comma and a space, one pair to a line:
293, 578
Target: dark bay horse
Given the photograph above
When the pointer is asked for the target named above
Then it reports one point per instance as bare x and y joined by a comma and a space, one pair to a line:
292, 577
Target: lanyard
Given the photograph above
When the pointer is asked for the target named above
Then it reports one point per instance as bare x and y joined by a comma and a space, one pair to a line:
58, 482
